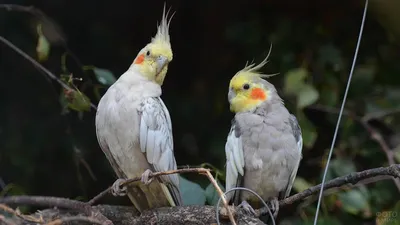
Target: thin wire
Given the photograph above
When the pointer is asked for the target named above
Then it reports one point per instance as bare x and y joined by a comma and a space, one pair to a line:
243, 189
341, 110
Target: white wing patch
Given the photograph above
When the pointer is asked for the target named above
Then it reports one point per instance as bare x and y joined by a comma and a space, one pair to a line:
234, 159
156, 139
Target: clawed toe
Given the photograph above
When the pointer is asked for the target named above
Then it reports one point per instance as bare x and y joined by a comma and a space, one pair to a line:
145, 177
117, 189
274, 206
247, 208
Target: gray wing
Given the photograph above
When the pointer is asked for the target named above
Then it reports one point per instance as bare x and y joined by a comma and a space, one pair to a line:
156, 142
234, 159
299, 139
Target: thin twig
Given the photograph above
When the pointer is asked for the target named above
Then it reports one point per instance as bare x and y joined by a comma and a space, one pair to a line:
7, 209
376, 136
99, 196
202, 171
221, 195
74, 218
353, 178
19, 214
38, 65
345, 187
380, 114
152, 175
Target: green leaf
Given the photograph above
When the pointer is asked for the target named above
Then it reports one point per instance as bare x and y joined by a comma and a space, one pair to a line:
353, 201
306, 96
300, 184
43, 45
212, 194
192, 193
308, 130
342, 166
76, 100
104, 76
294, 84
80, 102
294, 81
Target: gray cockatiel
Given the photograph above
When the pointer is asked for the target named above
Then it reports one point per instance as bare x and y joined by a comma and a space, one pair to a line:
264, 145
134, 128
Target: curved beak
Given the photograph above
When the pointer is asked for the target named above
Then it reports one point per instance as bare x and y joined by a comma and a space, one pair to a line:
231, 95
161, 62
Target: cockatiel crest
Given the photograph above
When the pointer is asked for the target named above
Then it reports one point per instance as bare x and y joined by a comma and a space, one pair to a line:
246, 91
152, 61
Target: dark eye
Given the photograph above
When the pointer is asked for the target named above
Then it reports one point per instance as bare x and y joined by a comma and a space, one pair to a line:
148, 53
246, 86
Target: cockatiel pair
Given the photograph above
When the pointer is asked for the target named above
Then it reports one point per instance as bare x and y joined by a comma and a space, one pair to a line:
134, 130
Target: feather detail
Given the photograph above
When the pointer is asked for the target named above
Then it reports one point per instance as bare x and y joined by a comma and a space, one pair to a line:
253, 69
299, 139
162, 34
234, 160
156, 133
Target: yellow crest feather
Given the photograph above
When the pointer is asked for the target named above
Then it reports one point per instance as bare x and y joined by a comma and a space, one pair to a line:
162, 35
253, 69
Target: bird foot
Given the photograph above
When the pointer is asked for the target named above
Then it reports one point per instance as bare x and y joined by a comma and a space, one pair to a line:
247, 208
145, 177
274, 206
117, 189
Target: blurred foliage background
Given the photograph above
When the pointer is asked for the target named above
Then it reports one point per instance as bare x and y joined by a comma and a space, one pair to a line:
48, 144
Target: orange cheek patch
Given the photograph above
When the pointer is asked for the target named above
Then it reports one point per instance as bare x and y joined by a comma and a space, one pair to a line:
258, 94
139, 59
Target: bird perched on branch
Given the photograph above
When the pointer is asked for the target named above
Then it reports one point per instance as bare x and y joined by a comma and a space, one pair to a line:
133, 126
263, 148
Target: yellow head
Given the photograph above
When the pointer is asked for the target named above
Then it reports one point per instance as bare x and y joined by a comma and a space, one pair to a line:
247, 89
152, 61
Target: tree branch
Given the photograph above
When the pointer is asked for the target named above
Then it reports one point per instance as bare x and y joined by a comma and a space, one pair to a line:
45, 201
124, 215
353, 178
74, 219
174, 215
374, 134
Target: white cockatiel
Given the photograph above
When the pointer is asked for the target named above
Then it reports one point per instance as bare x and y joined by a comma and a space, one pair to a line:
264, 145
133, 126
